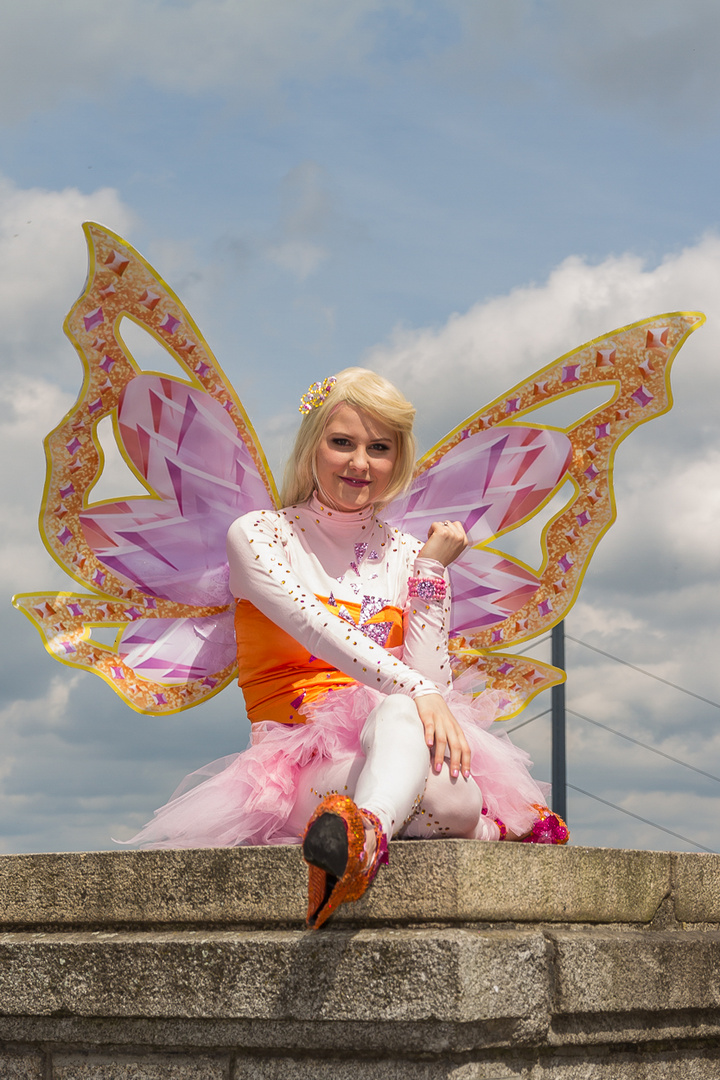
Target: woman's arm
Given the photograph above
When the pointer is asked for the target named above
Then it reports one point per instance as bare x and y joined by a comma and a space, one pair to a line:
426, 620
427, 612
425, 647
260, 573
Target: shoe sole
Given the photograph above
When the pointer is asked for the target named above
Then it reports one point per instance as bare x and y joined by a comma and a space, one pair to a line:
326, 845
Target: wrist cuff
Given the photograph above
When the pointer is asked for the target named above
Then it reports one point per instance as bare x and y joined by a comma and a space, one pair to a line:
427, 588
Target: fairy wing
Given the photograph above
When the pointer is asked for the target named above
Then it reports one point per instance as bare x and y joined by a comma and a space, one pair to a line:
494, 472
155, 565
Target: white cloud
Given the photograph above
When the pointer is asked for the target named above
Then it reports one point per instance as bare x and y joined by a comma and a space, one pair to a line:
657, 57
485, 350
90, 46
29, 409
306, 214
43, 261
654, 55
299, 257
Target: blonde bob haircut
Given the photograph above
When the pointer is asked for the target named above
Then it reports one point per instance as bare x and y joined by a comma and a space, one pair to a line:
374, 395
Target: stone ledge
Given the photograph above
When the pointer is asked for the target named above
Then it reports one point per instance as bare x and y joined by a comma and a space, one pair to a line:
515, 981
371, 976
448, 882
600, 972
466, 961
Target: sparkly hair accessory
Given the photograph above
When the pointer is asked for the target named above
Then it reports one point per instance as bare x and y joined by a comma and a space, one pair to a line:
316, 394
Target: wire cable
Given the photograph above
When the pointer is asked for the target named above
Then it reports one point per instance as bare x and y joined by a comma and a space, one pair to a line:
529, 720
645, 821
646, 746
532, 645
642, 671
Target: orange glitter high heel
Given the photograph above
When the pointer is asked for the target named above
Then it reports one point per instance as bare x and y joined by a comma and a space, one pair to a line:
339, 869
548, 829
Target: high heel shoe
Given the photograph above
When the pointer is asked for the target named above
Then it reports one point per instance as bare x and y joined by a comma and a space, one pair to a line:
339, 868
548, 829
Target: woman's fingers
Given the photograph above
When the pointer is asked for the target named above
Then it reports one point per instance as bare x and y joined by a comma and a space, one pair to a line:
459, 751
442, 734
446, 540
439, 750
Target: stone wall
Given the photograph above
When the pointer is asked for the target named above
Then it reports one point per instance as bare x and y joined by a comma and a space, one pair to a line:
466, 961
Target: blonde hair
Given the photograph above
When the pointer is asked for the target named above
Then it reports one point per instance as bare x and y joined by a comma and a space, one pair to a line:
374, 395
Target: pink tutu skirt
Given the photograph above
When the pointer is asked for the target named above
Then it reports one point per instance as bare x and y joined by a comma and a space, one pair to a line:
248, 798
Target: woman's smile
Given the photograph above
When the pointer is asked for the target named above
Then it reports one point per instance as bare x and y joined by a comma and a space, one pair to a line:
355, 459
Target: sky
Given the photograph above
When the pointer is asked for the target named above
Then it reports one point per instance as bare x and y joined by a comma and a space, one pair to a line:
453, 193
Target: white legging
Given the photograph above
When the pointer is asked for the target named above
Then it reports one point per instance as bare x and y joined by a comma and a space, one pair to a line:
395, 781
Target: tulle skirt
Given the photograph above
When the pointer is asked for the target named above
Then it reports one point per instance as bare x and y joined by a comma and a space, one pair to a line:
251, 797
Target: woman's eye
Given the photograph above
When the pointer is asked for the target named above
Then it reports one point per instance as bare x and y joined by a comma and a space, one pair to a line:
341, 442
380, 447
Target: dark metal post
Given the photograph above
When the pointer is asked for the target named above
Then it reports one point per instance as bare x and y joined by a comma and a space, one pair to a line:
559, 772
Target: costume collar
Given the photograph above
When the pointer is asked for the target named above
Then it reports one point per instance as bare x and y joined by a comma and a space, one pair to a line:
345, 521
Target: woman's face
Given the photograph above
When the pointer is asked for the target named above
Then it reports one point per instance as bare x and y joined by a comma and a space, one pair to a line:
355, 459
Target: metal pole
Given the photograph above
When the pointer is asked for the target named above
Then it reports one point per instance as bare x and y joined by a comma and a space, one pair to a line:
559, 771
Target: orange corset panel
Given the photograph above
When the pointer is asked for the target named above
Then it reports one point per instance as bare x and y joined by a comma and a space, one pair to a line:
278, 676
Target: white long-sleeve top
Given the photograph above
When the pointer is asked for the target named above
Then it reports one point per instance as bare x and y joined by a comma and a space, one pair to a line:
281, 561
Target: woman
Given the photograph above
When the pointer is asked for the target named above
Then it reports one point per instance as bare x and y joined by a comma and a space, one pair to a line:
341, 626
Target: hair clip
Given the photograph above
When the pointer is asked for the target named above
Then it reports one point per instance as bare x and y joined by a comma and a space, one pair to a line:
316, 394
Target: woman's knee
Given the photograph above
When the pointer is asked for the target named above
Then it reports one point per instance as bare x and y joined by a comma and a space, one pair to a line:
395, 717
453, 803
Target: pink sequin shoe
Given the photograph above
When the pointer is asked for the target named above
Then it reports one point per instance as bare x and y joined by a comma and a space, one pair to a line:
548, 829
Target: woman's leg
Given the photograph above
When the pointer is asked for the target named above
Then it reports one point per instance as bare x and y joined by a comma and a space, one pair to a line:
389, 780
395, 782
397, 761
451, 807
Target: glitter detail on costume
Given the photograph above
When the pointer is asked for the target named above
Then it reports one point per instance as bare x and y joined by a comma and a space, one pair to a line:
378, 632
548, 829
500, 824
370, 606
427, 588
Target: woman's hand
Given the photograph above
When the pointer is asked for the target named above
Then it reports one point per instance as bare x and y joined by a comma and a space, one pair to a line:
443, 731
446, 540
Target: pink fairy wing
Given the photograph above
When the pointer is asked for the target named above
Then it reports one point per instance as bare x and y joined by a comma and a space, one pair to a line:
517, 679
486, 590
168, 650
187, 449
633, 363
491, 481
160, 558
499, 601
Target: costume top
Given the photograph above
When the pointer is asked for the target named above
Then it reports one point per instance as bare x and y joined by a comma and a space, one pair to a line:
323, 601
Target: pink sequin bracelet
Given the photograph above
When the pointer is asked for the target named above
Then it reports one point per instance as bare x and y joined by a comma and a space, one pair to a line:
427, 588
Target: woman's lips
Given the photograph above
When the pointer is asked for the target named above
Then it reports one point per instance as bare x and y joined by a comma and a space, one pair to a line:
353, 482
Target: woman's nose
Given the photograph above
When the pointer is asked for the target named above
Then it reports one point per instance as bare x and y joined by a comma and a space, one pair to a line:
359, 459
